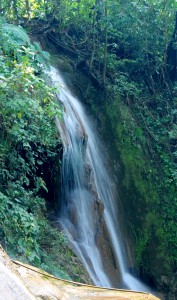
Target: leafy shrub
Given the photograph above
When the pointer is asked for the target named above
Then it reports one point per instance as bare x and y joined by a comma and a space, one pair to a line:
28, 138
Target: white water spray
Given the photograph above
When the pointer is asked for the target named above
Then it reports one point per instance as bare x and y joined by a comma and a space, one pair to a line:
83, 161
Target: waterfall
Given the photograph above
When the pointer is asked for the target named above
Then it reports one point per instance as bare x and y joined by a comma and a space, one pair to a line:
87, 194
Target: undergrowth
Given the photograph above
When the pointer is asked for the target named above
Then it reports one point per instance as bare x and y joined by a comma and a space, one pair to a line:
28, 141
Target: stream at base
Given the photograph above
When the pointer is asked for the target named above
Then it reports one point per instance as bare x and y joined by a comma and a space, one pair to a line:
88, 201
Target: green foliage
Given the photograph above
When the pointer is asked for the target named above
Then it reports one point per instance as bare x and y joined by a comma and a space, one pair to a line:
15, 33
138, 33
138, 139
28, 138
22, 229
136, 36
150, 177
40, 57
57, 256
29, 141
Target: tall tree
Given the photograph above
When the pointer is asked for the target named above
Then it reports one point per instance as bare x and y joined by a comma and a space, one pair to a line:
27, 8
105, 40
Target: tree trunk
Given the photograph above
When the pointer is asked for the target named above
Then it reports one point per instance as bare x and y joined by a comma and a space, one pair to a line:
28, 8
15, 11
93, 36
105, 43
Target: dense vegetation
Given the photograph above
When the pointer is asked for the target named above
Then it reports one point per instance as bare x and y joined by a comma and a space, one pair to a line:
29, 156
128, 50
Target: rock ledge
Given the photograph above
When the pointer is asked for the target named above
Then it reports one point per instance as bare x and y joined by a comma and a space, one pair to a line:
24, 282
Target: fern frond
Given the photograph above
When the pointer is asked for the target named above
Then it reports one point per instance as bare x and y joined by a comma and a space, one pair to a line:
37, 47
16, 32
45, 55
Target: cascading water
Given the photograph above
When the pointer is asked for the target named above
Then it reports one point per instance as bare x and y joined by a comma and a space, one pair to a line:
87, 189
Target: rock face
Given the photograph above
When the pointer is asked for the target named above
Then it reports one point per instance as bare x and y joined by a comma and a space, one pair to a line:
11, 286
24, 282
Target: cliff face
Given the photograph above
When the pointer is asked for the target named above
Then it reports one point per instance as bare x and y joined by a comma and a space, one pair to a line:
139, 175
24, 282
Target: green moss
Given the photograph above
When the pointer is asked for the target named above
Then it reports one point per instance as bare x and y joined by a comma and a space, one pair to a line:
142, 192
138, 175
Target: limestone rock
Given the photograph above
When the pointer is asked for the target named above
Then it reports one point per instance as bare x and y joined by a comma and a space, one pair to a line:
23, 282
